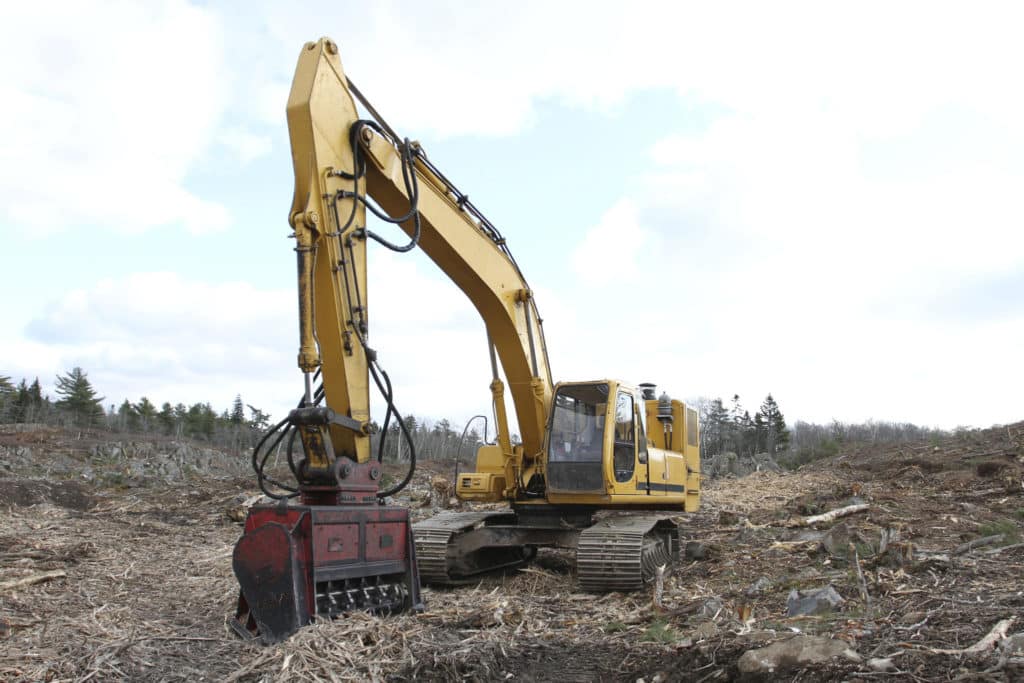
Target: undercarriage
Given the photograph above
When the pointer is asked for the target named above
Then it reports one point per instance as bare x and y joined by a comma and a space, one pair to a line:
618, 552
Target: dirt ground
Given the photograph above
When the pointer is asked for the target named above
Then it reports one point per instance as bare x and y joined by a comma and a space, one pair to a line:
133, 582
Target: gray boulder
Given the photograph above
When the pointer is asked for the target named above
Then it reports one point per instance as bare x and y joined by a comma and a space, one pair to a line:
795, 653
817, 601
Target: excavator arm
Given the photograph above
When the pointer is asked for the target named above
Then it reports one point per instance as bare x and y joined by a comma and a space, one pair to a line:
340, 162
331, 265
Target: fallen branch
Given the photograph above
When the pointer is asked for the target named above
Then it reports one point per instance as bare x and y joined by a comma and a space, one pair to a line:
998, 451
987, 643
794, 545
30, 580
864, 595
993, 551
977, 543
831, 515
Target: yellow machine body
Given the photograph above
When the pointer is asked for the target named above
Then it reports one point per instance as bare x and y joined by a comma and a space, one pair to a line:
647, 463
584, 447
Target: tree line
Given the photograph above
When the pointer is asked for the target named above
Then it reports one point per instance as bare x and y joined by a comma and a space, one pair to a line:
436, 441
814, 441
77, 404
723, 427
733, 429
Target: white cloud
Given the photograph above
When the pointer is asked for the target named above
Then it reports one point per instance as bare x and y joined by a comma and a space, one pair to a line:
611, 250
160, 335
246, 144
106, 109
831, 316
457, 69
169, 338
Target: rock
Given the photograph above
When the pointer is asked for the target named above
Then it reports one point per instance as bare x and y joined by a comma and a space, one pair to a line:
807, 535
711, 608
881, 664
708, 629
836, 540
794, 653
758, 587
912, 618
695, 550
818, 601
1014, 645
729, 463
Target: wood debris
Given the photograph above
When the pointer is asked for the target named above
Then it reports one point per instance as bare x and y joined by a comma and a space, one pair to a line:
140, 587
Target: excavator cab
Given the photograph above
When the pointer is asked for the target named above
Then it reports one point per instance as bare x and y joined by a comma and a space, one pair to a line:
576, 446
597, 437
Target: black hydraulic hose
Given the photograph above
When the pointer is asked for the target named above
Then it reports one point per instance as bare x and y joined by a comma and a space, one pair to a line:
408, 178
264, 477
291, 456
405, 431
266, 435
387, 417
259, 464
458, 449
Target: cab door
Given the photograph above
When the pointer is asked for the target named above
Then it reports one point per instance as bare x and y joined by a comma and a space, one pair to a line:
625, 469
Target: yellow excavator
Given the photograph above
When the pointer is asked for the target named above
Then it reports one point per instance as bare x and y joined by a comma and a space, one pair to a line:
597, 459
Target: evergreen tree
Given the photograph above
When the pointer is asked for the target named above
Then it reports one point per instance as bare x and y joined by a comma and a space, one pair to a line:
741, 428
79, 398
260, 420
237, 416
25, 403
166, 418
180, 417
200, 420
20, 402
127, 417
760, 433
780, 430
7, 396
776, 433
147, 413
746, 443
35, 394
716, 427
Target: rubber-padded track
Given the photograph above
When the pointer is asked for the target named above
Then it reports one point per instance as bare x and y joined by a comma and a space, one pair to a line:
622, 553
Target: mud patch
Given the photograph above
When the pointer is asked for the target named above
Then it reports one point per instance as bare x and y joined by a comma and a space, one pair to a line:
67, 494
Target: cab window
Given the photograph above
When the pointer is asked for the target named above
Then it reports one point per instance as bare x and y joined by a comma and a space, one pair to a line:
625, 438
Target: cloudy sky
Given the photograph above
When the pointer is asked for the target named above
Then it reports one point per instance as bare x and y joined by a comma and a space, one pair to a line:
818, 200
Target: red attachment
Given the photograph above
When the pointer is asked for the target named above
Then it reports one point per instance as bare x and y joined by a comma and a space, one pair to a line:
296, 562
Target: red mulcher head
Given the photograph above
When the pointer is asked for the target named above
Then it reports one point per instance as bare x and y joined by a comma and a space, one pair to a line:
298, 562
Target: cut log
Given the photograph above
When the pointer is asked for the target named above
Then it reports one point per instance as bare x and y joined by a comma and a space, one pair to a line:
989, 642
30, 580
832, 515
977, 543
